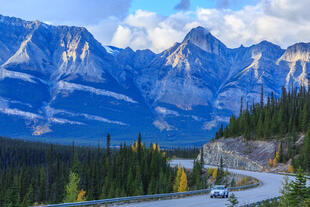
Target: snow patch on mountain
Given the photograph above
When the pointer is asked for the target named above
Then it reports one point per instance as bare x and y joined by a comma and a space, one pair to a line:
163, 125
64, 121
63, 85
164, 111
17, 112
213, 123
99, 118
16, 75
110, 50
51, 112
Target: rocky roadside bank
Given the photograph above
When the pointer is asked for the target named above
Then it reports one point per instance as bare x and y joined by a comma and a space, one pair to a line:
240, 154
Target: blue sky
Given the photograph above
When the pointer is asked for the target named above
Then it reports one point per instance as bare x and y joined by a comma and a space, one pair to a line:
158, 24
166, 7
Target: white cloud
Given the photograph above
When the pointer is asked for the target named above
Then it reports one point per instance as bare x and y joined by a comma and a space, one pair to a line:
291, 10
122, 37
283, 22
147, 30
104, 30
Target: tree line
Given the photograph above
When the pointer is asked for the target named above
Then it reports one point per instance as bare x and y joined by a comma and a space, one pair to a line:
34, 173
282, 118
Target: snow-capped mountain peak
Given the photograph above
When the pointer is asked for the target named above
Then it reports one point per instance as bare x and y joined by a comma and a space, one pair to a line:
59, 81
202, 38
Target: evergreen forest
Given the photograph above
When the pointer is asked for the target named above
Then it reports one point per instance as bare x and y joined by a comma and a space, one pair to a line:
285, 119
35, 173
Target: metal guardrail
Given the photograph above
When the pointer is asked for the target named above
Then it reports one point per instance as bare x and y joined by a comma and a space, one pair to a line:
143, 197
131, 198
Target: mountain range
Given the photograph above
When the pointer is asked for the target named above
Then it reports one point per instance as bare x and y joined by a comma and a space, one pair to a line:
58, 83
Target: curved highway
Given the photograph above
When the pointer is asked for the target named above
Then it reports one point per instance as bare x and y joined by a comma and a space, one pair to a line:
270, 188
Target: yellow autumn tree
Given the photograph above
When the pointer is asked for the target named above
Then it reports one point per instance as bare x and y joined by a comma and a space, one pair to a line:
277, 156
270, 163
177, 179
214, 174
134, 147
81, 196
210, 171
154, 147
163, 154
37, 204
275, 161
290, 169
183, 182
243, 181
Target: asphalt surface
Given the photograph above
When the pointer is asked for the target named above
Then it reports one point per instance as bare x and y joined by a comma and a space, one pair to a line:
269, 188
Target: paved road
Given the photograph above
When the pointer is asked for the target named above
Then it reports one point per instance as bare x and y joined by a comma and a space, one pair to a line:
270, 188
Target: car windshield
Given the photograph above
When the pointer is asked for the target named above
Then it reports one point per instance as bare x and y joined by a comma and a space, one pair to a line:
219, 188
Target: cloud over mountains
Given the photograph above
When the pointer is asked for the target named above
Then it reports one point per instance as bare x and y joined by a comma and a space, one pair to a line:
281, 21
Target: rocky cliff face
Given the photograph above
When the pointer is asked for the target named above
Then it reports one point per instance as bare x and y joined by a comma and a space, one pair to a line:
237, 153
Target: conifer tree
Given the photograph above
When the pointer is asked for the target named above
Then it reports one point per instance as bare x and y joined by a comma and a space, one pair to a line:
233, 183
280, 157
43, 184
262, 97
202, 162
284, 201
29, 197
233, 201
108, 145
297, 189
196, 175
241, 106
138, 182
220, 173
139, 148
71, 190
306, 151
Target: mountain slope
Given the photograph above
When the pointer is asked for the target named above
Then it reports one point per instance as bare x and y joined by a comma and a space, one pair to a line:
59, 82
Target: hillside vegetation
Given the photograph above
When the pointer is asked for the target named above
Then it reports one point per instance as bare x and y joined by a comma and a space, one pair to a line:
286, 119
33, 172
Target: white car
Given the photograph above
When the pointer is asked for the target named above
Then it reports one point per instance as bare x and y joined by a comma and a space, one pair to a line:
219, 191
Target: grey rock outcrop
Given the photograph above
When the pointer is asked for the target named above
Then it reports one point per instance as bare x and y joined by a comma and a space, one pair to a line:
237, 153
